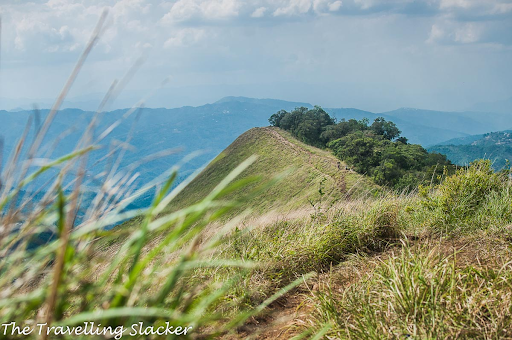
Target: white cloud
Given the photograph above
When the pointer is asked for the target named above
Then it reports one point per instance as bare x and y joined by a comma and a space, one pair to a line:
294, 7
502, 8
30, 33
217, 40
467, 34
335, 6
476, 7
136, 26
456, 33
301, 7
184, 10
456, 3
364, 4
436, 34
185, 37
65, 25
259, 12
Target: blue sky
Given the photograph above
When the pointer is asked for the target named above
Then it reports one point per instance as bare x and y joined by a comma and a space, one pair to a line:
369, 54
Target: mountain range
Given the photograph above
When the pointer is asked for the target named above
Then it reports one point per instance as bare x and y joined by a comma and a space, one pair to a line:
212, 127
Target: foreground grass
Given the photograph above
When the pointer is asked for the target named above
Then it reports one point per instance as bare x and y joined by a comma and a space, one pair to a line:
60, 270
423, 293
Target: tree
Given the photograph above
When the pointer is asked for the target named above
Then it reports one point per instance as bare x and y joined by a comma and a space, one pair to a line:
305, 124
359, 149
343, 128
368, 149
384, 128
402, 140
275, 119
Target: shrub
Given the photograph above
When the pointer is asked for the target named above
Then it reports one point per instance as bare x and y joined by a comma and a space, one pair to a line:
458, 200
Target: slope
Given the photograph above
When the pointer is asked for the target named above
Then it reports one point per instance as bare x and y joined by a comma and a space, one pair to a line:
209, 129
496, 146
312, 170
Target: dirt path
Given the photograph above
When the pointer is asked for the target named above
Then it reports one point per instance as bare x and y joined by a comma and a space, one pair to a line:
284, 319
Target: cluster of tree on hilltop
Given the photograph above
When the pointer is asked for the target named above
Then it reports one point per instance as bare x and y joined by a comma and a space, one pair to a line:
375, 149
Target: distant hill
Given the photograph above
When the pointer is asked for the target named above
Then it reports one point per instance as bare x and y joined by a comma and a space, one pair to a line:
466, 140
278, 151
210, 128
496, 146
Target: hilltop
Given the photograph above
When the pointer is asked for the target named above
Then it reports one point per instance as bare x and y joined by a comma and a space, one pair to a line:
312, 170
378, 259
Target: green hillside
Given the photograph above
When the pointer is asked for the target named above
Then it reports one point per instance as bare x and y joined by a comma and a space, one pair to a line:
311, 170
495, 146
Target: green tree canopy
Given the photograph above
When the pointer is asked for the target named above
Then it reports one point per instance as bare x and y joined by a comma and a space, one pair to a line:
376, 150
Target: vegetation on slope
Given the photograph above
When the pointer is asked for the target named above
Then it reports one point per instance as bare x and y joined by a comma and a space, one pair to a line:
71, 281
451, 288
77, 278
433, 265
376, 150
496, 146
314, 178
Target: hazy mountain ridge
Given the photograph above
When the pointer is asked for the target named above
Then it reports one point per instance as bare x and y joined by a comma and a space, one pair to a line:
209, 128
212, 127
417, 133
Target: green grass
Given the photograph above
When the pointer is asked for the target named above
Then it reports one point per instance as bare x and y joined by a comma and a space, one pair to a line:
115, 277
422, 293
308, 169
433, 264
404, 291
191, 259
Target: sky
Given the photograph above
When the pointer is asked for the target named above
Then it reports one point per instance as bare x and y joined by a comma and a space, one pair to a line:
368, 54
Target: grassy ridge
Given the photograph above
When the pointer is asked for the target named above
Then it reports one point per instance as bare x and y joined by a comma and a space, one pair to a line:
430, 264
311, 169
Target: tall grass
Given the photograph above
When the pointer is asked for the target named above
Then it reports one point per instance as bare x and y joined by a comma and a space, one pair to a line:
422, 294
58, 270
428, 266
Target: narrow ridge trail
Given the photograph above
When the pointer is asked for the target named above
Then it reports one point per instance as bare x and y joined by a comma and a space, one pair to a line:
340, 182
